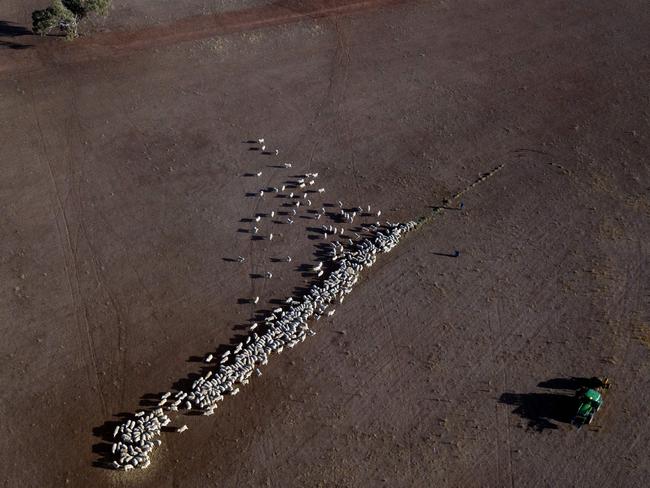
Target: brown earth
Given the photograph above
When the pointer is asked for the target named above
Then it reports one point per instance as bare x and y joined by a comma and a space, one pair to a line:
122, 193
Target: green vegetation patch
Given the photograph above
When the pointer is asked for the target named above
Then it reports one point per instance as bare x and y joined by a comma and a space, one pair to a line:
65, 15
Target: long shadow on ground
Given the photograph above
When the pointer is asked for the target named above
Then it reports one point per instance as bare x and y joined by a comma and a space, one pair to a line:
574, 383
542, 410
547, 410
8, 29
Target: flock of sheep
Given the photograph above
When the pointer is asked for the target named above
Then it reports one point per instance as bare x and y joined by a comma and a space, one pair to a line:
136, 438
283, 327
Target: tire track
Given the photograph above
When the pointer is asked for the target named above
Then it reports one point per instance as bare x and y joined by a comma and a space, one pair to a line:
506, 420
341, 125
69, 254
76, 170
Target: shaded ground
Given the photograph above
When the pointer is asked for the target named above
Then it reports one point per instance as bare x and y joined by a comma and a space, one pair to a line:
123, 190
9, 32
545, 410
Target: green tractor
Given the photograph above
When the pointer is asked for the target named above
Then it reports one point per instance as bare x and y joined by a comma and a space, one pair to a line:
590, 399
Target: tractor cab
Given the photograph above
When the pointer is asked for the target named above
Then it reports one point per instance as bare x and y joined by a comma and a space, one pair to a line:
594, 396
589, 402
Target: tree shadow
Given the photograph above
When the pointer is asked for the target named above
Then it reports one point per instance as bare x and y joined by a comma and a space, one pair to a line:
9, 29
13, 45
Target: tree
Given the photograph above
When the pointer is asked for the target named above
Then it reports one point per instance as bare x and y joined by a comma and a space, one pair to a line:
56, 16
66, 15
43, 21
81, 8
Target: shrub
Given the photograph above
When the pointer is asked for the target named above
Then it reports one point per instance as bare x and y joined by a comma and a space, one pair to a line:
81, 8
66, 15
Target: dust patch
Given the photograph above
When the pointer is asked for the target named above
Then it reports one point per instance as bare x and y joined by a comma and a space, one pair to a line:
603, 184
598, 276
225, 44
611, 229
217, 44
642, 334
254, 37
639, 203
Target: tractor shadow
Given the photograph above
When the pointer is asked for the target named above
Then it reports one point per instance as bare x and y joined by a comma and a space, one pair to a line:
542, 410
546, 410
573, 383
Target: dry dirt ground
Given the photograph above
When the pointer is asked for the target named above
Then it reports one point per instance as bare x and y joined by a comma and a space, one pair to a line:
122, 192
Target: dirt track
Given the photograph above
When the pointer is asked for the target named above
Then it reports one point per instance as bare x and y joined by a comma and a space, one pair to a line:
122, 192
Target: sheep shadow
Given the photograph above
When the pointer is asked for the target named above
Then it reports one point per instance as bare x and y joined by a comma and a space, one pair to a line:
104, 433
